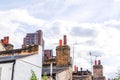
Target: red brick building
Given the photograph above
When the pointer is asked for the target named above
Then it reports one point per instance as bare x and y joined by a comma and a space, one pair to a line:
34, 39
48, 54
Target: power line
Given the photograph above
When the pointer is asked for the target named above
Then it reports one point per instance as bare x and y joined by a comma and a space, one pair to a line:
30, 63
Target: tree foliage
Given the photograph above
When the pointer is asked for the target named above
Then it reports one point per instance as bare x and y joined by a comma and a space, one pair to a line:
44, 76
33, 77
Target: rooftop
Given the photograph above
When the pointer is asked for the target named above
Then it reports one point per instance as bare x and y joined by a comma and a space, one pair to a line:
27, 50
11, 55
54, 69
82, 73
4, 59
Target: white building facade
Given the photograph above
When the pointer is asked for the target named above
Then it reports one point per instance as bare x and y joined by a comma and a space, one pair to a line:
6, 71
18, 67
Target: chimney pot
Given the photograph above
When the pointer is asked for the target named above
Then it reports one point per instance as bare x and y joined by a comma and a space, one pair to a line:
65, 39
4, 40
81, 68
95, 62
75, 68
7, 40
1, 40
60, 42
99, 62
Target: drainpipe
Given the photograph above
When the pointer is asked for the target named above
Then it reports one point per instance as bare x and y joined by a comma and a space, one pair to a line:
13, 69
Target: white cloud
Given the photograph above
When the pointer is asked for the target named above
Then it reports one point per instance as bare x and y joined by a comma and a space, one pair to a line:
117, 0
73, 2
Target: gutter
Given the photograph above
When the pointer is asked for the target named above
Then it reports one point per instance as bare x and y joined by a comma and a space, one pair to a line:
13, 69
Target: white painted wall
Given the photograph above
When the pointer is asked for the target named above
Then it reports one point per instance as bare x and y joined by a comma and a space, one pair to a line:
1, 47
24, 66
6, 71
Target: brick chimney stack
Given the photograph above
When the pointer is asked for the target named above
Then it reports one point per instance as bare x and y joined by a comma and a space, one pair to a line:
5, 40
63, 53
98, 71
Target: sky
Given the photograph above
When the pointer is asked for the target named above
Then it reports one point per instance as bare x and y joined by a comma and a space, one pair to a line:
90, 25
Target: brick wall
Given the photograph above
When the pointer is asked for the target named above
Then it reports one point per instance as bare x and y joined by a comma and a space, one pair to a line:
63, 55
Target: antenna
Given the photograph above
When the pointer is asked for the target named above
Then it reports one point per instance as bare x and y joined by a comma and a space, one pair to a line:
96, 56
73, 55
91, 60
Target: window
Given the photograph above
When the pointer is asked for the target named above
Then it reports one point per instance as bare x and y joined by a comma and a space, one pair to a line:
33, 39
27, 40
